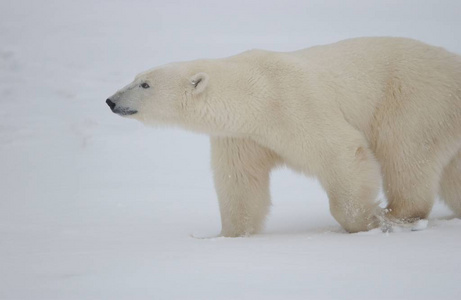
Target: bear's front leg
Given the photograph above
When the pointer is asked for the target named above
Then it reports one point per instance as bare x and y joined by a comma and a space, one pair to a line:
241, 174
351, 177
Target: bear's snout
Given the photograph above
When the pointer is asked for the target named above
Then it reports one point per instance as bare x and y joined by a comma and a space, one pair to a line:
111, 104
120, 110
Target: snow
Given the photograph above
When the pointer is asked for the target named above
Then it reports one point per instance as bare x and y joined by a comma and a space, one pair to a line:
94, 206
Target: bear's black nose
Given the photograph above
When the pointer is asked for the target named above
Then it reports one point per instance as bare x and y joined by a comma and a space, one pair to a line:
111, 104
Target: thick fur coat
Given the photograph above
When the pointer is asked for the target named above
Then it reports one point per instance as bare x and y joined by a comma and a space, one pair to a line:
358, 114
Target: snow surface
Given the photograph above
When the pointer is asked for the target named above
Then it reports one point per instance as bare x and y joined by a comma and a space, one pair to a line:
94, 206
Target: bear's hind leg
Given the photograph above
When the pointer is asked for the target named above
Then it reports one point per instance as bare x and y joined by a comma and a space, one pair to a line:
241, 174
450, 184
352, 179
410, 188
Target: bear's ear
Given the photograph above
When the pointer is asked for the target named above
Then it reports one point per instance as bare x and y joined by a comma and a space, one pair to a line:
199, 82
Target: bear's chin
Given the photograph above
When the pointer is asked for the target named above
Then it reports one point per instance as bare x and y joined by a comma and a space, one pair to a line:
125, 111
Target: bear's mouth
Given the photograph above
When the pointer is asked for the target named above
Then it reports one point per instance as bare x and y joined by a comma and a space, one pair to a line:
124, 111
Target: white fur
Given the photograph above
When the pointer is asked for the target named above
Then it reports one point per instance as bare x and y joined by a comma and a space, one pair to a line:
355, 114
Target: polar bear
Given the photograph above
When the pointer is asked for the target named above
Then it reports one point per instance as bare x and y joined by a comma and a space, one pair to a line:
358, 114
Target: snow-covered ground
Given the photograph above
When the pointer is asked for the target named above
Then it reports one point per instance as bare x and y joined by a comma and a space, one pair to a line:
93, 206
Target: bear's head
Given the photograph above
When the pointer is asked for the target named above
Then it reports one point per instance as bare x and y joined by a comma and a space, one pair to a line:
212, 97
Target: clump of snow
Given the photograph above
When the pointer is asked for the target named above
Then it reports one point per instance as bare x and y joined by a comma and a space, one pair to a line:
420, 225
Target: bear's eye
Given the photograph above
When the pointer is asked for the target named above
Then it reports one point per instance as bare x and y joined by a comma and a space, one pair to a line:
145, 85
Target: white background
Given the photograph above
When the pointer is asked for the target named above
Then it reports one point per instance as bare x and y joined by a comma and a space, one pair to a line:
93, 206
